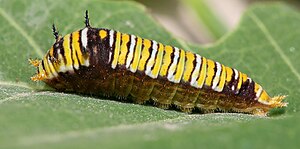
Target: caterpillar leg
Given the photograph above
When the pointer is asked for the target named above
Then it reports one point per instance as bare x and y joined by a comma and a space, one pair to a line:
35, 62
39, 77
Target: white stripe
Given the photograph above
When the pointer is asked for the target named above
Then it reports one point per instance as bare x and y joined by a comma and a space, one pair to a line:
259, 92
217, 77
173, 65
195, 73
86, 62
232, 87
111, 37
236, 74
84, 37
76, 66
250, 80
151, 60
131, 49
111, 41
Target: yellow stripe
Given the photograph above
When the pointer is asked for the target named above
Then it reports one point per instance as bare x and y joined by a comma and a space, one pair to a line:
229, 73
117, 50
61, 63
102, 34
67, 50
180, 66
145, 54
124, 49
52, 69
245, 77
189, 66
137, 53
202, 75
55, 64
240, 81
158, 61
47, 69
222, 79
41, 70
210, 72
76, 49
256, 87
264, 96
166, 61
51, 51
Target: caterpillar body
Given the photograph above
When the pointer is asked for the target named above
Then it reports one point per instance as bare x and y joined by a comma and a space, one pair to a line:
106, 62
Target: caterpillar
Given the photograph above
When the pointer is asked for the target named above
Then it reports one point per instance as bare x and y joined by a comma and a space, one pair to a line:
109, 63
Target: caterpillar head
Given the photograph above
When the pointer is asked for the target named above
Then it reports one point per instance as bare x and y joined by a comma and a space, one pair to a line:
58, 58
47, 68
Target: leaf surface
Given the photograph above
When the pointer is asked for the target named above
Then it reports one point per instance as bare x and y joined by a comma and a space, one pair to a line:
265, 45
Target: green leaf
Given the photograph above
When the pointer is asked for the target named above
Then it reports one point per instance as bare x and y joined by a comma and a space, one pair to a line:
265, 45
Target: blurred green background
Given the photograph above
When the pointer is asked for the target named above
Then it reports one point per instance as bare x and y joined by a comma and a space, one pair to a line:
201, 21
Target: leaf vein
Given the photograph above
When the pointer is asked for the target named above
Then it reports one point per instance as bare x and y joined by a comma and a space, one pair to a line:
273, 42
20, 84
20, 95
14, 24
54, 138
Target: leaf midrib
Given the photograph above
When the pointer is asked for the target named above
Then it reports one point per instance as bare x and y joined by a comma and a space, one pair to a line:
29, 39
274, 44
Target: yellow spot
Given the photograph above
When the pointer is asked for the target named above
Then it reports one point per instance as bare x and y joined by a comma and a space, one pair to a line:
240, 81
145, 54
76, 49
229, 73
166, 61
67, 50
210, 72
117, 50
102, 34
203, 72
124, 49
180, 66
189, 66
137, 53
158, 61
222, 79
